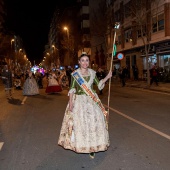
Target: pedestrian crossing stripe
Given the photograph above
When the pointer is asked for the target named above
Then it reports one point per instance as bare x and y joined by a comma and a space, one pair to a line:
24, 99
1, 144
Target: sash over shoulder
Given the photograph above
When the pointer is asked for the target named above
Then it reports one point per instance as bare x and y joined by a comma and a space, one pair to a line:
86, 86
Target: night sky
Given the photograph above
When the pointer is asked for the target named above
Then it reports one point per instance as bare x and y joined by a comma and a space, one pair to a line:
30, 19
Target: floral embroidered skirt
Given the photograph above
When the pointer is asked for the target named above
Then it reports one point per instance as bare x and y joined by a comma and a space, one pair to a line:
84, 130
30, 87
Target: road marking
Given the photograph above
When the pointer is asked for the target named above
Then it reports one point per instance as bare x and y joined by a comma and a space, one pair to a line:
24, 99
1, 144
140, 123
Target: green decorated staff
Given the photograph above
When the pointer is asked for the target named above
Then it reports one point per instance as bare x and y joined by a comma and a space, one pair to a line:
117, 25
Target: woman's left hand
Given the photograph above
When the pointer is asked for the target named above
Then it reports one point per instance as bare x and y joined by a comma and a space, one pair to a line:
109, 75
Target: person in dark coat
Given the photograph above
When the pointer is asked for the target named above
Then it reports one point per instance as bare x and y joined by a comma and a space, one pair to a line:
100, 75
68, 73
154, 75
7, 81
135, 72
122, 76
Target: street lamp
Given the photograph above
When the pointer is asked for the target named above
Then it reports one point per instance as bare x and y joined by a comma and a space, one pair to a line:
67, 31
12, 40
18, 58
53, 56
12, 51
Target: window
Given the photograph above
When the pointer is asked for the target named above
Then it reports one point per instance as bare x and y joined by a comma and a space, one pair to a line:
117, 16
119, 39
127, 11
158, 23
154, 24
141, 30
139, 33
161, 22
128, 35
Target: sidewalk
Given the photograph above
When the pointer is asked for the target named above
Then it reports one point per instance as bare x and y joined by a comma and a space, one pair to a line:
162, 87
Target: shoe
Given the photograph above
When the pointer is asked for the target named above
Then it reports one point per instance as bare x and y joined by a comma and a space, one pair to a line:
92, 155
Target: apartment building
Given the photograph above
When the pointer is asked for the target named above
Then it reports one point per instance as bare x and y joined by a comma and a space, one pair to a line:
131, 40
85, 44
61, 50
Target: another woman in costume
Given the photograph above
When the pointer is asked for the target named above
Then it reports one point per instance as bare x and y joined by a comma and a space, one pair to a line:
30, 86
84, 128
53, 85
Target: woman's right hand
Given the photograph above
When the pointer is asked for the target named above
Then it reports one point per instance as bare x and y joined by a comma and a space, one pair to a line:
71, 106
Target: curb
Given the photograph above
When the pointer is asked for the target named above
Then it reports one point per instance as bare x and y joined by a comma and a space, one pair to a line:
147, 88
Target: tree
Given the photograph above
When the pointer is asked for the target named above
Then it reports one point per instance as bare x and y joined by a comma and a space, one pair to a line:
5, 45
141, 19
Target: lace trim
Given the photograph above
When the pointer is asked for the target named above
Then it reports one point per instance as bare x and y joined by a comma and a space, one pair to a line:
73, 90
101, 85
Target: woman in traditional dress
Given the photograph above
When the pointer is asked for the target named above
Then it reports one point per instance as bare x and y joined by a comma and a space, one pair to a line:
53, 85
30, 86
84, 128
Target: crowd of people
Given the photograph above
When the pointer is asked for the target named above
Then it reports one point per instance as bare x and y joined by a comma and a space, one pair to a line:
31, 82
53, 81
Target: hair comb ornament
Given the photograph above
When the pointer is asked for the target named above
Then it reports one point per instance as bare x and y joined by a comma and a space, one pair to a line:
83, 53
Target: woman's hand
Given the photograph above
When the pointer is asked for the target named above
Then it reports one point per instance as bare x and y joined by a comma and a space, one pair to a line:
71, 106
109, 75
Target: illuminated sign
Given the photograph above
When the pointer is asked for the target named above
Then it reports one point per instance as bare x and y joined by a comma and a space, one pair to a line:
120, 56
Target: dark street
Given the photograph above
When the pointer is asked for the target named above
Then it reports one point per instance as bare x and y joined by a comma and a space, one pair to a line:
138, 127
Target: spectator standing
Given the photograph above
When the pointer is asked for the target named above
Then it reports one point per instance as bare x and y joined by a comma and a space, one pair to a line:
135, 72
154, 75
68, 73
122, 76
7, 78
100, 75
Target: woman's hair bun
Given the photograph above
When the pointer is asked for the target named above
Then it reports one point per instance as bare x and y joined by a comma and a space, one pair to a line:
83, 54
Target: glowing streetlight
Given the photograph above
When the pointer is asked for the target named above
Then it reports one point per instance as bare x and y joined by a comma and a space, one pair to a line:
12, 40
67, 30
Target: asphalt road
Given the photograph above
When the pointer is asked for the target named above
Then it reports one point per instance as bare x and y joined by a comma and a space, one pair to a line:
139, 128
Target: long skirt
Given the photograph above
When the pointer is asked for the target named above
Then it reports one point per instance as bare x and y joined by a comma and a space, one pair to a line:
30, 87
84, 130
53, 89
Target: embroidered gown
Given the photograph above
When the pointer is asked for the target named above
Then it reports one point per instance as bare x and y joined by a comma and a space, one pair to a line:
84, 130
30, 86
53, 85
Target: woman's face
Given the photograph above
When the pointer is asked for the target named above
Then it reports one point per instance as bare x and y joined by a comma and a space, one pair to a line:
84, 62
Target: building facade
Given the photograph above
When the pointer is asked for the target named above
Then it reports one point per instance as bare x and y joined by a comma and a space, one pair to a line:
147, 29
